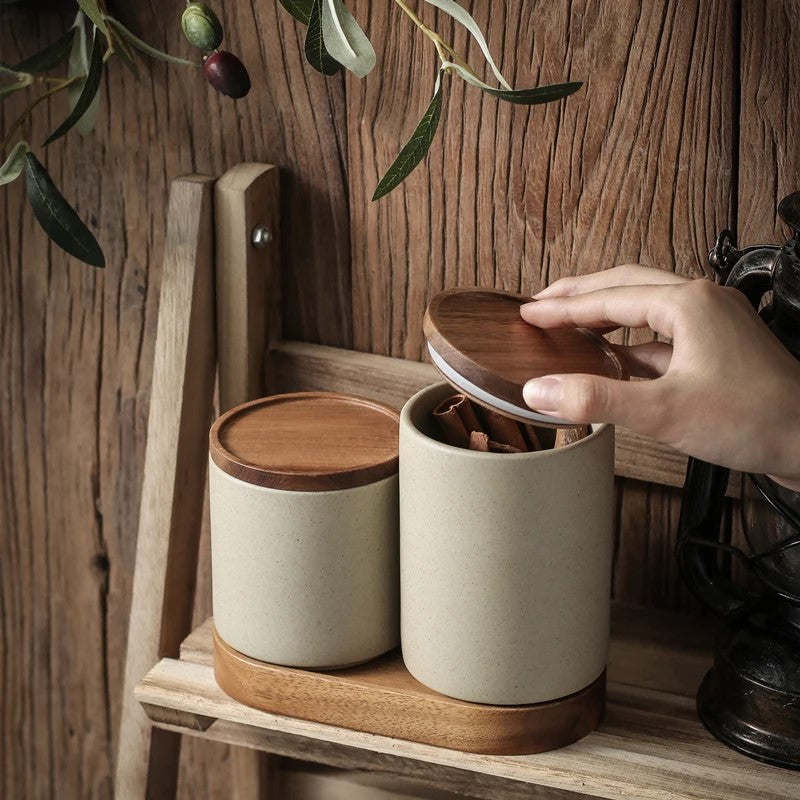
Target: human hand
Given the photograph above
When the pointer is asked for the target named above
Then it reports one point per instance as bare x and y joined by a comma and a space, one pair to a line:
725, 390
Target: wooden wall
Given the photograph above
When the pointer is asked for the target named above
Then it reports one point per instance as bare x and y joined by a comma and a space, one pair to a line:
688, 122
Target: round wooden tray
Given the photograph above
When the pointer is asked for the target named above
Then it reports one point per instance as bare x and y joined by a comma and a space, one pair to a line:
383, 698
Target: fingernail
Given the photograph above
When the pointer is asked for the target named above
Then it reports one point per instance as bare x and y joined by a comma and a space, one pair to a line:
541, 293
543, 394
526, 307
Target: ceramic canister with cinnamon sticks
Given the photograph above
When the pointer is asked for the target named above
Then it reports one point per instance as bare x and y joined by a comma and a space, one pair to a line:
505, 565
304, 529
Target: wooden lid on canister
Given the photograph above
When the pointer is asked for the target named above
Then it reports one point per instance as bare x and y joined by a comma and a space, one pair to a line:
307, 442
482, 346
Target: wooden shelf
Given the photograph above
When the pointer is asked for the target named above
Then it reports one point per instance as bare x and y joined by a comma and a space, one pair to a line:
650, 747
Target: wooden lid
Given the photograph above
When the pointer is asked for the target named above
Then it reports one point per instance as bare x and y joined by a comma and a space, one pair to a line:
307, 442
482, 346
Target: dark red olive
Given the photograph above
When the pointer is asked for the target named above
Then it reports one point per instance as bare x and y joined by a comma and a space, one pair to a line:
227, 74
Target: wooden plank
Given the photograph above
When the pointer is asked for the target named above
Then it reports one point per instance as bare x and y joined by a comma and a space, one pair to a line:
174, 476
391, 766
660, 650
650, 746
247, 287
769, 117
634, 167
298, 366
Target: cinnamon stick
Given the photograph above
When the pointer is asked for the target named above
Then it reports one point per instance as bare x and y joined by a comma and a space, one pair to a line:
450, 422
468, 415
480, 441
565, 436
505, 430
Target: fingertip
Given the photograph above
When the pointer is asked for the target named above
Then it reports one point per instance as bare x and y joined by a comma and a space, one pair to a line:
528, 311
543, 394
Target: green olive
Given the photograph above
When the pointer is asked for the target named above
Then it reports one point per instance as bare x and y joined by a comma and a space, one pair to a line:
201, 26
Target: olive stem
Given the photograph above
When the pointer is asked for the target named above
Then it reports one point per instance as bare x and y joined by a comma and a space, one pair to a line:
27, 112
442, 48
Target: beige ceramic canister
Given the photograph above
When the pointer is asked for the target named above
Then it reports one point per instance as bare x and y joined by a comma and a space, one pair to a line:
505, 557
505, 563
304, 529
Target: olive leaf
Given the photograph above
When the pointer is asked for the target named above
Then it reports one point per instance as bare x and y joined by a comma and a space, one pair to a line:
525, 97
88, 91
136, 42
50, 57
316, 54
299, 9
92, 10
12, 167
460, 15
344, 39
416, 147
79, 69
59, 220
13, 81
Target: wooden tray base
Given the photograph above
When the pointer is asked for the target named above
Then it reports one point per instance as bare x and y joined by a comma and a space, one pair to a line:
382, 697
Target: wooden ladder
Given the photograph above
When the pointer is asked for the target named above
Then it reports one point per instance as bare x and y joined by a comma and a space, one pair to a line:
216, 289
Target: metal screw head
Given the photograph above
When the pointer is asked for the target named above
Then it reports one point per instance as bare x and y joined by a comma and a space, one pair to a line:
261, 236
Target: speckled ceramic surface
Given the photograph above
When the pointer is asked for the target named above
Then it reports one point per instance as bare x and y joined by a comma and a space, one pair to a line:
305, 579
505, 563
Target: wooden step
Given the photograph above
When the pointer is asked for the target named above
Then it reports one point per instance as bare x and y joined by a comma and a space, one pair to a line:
650, 746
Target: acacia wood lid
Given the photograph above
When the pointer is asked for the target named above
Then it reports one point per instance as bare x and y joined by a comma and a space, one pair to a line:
307, 442
482, 346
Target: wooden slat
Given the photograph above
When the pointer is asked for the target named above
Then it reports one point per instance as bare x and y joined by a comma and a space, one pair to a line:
174, 477
298, 366
651, 745
359, 757
248, 279
248, 294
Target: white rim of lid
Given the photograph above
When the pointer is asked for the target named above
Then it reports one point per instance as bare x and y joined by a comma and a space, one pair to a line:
482, 396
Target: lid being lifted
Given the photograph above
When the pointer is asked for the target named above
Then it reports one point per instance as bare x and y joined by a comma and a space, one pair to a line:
307, 442
482, 346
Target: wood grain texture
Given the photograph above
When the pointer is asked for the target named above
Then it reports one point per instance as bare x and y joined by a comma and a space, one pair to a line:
172, 491
639, 165
383, 698
769, 121
634, 167
76, 352
650, 746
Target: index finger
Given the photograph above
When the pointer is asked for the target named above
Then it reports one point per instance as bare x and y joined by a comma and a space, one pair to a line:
648, 306
623, 275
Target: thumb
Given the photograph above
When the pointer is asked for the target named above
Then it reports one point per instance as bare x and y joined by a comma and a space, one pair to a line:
591, 398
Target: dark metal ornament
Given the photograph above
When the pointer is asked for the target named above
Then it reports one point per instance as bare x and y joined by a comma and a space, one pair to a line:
750, 699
